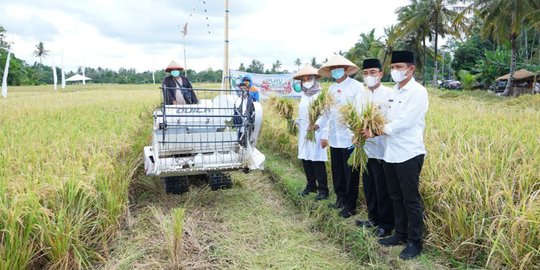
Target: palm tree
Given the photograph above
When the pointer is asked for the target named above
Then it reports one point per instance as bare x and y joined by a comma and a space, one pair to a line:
275, 66
3, 43
368, 46
428, 19
40, 52
298, 63
503, 21
414, 25
391, 37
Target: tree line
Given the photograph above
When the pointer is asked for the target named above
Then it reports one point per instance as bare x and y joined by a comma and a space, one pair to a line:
485, 39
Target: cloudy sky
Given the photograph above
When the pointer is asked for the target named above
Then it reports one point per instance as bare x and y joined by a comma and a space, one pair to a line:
144, 34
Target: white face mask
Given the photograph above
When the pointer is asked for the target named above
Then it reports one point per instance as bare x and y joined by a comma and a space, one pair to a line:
398, 75
308, 84
371, 81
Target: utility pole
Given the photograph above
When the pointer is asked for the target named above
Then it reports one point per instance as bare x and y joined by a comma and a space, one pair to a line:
226, 60
184, 33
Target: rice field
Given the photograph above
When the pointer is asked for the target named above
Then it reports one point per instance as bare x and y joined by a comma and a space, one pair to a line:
69, 158
66, 161
481, 179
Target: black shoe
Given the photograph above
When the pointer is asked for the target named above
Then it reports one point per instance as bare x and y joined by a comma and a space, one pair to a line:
305, 192
321, 196
380, 232
337, 205
365, 224
346, 213
411, 251
391, 241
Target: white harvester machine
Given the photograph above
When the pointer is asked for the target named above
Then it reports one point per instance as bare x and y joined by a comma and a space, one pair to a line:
210, 138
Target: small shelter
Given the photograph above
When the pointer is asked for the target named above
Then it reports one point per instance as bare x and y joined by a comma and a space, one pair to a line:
521, 75
77, 78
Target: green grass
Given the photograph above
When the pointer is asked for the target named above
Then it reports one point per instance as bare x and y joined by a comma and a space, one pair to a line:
250, 226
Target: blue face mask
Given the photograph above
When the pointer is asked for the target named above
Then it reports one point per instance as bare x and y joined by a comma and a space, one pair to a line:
175, 73
338, 73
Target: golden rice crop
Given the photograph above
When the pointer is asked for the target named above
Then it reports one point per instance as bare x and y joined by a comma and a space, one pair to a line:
317, 108
286, 108
372, 119
66, 160
480, 181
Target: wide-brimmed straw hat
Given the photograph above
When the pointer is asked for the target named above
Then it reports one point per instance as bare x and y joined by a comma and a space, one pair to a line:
338, 60
173, 66
306, 71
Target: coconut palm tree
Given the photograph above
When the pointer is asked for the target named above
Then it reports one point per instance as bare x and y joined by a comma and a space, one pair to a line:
298, 63
368, 46
41, 52
391, 37
276, 66
503, 21
429, 19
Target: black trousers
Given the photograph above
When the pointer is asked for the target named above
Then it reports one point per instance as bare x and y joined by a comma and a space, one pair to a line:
346, 180
403, 180
316, 176
379, 205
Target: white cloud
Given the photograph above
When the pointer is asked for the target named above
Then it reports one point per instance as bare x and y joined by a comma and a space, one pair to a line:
133, 34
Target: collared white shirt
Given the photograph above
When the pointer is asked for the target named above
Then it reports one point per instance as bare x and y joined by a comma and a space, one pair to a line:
309, 150
406, 122
349, 90
374, 147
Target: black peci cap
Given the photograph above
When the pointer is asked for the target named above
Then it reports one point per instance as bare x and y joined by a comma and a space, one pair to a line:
402, 57
371, 63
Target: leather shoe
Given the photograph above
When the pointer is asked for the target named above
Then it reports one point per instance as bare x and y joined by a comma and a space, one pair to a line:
391, 241
411, 251
321, 196
380, 232
346, 213
337, 205
365, 224
305, 192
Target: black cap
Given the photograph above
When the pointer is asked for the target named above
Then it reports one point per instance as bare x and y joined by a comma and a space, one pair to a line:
402, 57
371, 63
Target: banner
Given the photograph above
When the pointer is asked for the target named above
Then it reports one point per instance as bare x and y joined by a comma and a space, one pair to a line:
268, 84
4, 79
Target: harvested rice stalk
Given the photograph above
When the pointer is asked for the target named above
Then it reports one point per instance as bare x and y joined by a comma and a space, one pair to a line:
286, 107
318, 107
372, 119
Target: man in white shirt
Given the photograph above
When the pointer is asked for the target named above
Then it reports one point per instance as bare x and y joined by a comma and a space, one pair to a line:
344, 90
404, 154
379, 205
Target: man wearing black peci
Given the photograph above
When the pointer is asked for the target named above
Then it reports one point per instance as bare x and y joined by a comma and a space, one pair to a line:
404, 154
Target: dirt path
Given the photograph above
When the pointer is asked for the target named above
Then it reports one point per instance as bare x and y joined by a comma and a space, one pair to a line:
249, 226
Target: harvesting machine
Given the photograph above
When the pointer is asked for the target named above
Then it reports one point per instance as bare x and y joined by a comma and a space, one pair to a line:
208, 139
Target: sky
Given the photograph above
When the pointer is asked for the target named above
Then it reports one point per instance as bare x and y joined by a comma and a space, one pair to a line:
146, 35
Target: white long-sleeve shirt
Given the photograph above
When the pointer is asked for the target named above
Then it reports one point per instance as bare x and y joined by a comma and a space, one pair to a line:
374, 147
349, 90
406, 115
309, 150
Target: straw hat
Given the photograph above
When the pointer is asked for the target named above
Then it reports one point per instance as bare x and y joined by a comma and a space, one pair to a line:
306, 70
173, 66
338, 60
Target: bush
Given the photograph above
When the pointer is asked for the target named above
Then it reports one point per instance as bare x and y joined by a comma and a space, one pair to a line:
467, 79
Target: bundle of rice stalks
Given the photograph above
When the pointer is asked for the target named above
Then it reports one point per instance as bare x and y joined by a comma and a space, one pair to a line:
286, 108
372, 119
318, 107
